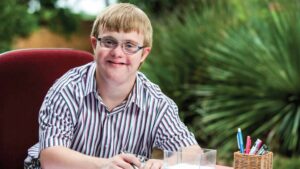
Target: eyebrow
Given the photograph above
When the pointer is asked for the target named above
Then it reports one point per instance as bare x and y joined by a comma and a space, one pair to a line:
107, 37
126, 40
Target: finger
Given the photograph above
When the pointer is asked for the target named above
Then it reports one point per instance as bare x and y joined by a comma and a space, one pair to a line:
148, 165
112, 165
123, 164
154, 164
132, 159
157, 164
119, 162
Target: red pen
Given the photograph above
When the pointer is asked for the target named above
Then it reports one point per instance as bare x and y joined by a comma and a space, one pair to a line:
248, 145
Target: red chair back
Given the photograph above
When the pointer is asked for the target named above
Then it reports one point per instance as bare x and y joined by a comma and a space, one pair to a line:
25, 77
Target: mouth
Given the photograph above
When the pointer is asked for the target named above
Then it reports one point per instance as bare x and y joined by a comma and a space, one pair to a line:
116, 63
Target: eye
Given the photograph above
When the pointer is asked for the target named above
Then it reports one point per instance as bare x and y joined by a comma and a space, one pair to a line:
109, 43
129, 45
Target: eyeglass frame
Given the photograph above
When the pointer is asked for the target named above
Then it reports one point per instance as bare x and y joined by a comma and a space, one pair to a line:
122, 46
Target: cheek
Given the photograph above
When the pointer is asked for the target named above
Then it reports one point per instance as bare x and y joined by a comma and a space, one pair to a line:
100, 54
136, 62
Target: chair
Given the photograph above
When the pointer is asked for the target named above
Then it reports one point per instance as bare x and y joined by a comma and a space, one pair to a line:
25, 77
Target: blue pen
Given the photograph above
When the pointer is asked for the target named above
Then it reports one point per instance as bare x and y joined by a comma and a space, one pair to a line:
240, 142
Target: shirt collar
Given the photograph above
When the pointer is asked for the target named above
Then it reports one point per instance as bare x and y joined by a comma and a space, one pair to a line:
91, 85
136, 93
134, 96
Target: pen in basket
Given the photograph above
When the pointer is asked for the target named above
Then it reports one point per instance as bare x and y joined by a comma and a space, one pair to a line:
258, 147
255, 147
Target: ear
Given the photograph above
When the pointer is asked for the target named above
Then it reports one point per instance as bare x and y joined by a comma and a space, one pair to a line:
93, 42
146, 52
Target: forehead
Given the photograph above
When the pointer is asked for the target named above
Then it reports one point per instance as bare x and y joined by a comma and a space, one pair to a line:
133, 35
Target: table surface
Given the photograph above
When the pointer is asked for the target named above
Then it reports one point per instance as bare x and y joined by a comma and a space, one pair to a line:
223, 167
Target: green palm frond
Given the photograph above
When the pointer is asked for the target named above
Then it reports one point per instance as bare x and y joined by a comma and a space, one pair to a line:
233, 64
254, 72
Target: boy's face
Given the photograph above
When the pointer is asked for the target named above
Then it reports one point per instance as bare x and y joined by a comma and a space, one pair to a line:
115, 60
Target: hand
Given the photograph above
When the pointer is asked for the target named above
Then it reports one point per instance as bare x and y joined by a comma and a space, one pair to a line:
122, 161
153, 164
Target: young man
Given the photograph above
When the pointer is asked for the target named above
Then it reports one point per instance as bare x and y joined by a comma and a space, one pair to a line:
103, 114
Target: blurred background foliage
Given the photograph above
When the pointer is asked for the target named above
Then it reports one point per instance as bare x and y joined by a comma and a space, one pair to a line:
60, 20
12, 24
19, 18
226, 63
231, 64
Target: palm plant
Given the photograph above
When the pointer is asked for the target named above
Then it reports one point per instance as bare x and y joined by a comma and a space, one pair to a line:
176, 62
233, 64
254, 80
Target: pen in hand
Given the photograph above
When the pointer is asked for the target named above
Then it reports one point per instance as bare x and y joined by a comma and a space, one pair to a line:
133, 166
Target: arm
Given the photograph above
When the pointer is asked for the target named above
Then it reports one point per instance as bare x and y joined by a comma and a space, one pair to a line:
63, 158
57, 121
172, 135
193, 148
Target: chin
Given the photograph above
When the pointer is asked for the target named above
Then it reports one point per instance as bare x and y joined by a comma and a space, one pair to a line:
117, 78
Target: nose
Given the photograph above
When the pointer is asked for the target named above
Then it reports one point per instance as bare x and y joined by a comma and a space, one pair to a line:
118, 51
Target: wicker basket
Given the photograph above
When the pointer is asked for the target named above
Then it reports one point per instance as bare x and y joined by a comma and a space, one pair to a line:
242, 161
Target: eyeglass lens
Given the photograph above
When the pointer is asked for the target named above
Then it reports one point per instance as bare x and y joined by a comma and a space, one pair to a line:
128, 46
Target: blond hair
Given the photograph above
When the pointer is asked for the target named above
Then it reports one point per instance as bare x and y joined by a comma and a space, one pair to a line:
123, 17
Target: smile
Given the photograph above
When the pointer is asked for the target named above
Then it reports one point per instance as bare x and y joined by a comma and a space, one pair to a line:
116, 63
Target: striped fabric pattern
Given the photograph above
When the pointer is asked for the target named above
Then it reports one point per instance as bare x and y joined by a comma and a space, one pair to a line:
73, 115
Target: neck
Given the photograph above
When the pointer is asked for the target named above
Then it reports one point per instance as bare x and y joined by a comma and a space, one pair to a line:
113, 94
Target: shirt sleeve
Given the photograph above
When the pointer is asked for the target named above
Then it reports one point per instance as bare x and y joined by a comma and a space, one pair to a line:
172, 133
55, 125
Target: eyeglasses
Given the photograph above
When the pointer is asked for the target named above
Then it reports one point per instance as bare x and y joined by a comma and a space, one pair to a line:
128, 47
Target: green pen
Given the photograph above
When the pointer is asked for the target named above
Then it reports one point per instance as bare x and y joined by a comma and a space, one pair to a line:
262, 150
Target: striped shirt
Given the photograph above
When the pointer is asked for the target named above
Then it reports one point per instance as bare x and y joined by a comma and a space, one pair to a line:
73, 115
